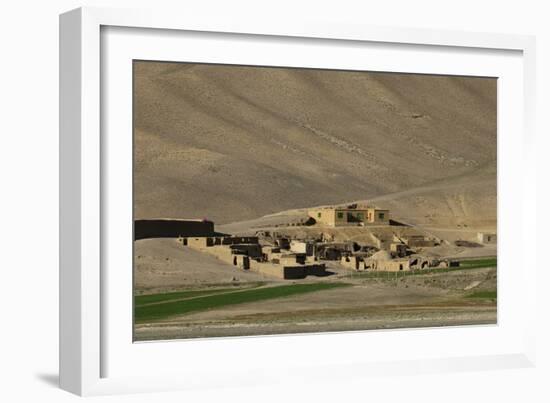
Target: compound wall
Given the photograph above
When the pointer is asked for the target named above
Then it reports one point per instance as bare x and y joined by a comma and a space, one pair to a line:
166, 228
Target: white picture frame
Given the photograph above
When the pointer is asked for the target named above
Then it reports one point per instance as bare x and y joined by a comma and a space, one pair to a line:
88, 318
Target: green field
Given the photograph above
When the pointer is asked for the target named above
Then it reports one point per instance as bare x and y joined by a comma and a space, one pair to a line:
140, 300
483, 295
166, 305
478, 263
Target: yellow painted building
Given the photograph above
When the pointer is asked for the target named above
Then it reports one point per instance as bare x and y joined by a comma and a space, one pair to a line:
335, 216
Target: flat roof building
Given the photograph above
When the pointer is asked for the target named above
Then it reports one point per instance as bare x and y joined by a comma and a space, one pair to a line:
338, 216
487, 237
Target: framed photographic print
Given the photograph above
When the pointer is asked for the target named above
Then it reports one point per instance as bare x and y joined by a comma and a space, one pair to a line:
238, 196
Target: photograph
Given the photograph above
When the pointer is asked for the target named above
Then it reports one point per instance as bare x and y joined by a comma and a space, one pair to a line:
287, 200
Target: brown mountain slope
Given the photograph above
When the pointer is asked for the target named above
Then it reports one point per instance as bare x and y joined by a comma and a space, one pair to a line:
232, 143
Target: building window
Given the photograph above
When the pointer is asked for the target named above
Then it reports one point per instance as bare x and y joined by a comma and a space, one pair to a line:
381, 216
340, 215
318, 215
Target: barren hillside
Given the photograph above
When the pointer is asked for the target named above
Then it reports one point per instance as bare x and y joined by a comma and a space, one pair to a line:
234, 143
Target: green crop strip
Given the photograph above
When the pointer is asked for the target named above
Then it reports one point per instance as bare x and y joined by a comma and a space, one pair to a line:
157, 311
483, 295
166, 297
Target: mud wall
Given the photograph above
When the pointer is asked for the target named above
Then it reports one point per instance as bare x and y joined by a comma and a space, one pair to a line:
172, 228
